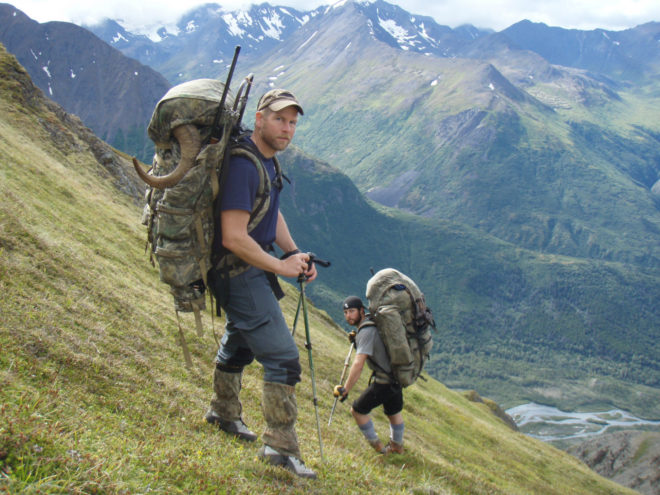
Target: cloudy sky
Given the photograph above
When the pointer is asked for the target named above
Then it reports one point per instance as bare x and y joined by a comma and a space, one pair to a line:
494, 14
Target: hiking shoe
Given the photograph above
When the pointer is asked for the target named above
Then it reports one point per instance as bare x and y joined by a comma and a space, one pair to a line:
293, 464
394, 448
236, 428
377, 446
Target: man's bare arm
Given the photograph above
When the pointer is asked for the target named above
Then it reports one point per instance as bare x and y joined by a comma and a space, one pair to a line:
286, 243
235, 238
355, 372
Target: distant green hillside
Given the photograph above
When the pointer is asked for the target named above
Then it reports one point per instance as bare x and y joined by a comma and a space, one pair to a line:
93, 392
514, 324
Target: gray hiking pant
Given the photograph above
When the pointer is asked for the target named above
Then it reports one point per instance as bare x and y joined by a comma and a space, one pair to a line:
256, 329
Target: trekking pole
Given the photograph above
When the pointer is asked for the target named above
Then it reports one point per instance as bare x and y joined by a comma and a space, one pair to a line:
295, 319
308, 344
341, 381
312, 259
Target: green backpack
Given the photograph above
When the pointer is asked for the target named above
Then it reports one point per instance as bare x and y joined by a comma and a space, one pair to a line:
404, 323
184, 182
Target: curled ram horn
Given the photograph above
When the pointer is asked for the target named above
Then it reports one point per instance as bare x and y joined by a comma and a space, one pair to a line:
190, 143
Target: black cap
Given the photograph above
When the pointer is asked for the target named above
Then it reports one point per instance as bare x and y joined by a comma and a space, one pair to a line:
352, 302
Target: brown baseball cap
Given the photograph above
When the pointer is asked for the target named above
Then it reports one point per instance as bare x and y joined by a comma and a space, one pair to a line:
277, 99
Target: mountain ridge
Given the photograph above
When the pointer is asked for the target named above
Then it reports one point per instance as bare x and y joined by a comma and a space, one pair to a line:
598, 51
114, 97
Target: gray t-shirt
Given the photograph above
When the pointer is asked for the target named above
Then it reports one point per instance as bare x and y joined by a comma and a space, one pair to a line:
369, 342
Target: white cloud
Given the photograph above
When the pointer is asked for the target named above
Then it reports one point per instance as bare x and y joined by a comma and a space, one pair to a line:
499, 14
495, 14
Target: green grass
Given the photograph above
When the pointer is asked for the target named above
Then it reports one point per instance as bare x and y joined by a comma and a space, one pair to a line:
94, 397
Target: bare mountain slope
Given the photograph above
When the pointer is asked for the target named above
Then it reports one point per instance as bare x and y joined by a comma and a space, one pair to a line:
111, 93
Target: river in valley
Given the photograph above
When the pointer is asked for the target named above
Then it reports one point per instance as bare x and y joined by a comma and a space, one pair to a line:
551, 424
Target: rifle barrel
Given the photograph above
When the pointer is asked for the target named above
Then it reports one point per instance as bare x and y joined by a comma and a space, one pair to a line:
216, 133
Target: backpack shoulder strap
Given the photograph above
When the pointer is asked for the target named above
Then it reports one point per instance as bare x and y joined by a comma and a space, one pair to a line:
245, 143
367, 322
279, 175
263, 192
378, 373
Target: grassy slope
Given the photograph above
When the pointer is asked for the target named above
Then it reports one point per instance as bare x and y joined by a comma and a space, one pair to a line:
94, 397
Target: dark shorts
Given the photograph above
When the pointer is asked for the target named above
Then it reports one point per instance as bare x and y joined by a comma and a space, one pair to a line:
389, 395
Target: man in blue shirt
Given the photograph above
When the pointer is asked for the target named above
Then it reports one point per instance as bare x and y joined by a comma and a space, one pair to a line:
255, 324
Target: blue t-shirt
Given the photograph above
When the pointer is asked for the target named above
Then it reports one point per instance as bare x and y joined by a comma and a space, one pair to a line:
240, 193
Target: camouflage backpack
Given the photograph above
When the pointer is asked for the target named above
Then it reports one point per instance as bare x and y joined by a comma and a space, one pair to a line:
184, 182
404, 323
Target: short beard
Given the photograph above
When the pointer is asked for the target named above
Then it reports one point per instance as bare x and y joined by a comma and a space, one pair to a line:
273, 144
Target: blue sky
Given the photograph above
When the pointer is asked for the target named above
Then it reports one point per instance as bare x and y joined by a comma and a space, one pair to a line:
494, 14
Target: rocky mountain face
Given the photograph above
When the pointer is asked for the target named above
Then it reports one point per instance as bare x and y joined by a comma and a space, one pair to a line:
67, 131
113, 95
631, 458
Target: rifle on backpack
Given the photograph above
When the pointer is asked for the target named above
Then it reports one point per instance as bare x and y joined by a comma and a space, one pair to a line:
216, 130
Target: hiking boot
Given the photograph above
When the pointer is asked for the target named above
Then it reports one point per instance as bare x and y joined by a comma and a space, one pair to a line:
377, 446
394, 448
236, 428
292, 463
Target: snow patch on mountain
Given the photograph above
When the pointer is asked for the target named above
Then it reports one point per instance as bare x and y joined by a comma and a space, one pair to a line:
119, 37
191, 27
274, 25
414, 37
234, 22
307, 40
422, 32
397, 32
336, 5
155, 32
